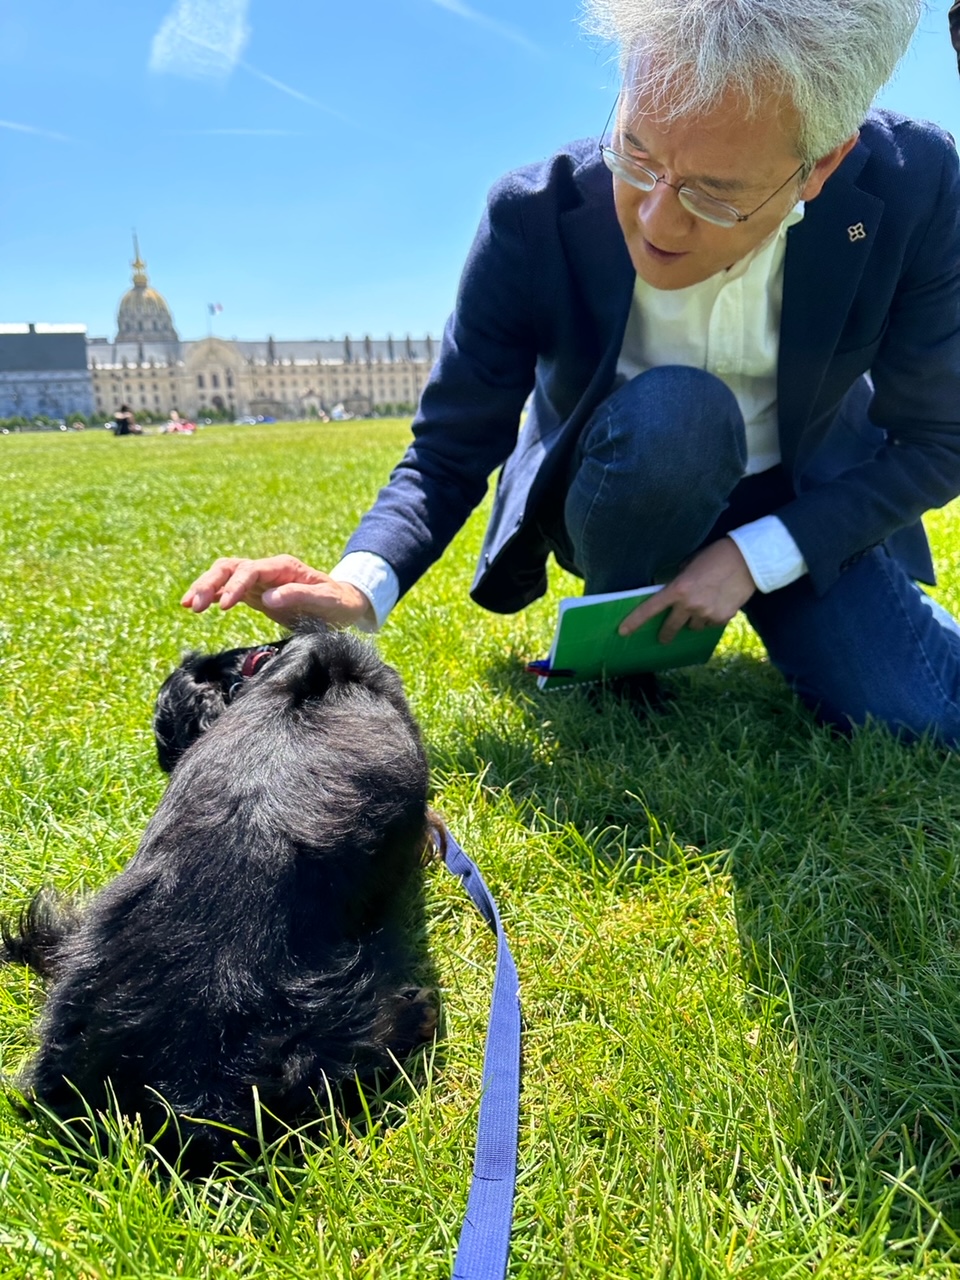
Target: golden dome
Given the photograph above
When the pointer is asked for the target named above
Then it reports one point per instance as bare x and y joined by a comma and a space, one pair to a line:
143, 315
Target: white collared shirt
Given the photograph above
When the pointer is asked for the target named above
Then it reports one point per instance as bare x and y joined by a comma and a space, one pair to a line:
728, 325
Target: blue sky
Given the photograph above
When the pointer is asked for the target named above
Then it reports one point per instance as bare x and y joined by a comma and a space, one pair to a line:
318, 168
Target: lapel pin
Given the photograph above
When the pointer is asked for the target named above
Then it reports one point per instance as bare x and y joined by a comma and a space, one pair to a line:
856, 232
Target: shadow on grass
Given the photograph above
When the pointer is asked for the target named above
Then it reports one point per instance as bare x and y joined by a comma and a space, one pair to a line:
595, 759
863, 946
844, 857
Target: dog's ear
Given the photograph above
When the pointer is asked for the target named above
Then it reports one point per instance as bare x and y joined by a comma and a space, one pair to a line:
186, 706
320, 660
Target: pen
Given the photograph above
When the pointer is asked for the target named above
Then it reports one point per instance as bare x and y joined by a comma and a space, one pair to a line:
541, 667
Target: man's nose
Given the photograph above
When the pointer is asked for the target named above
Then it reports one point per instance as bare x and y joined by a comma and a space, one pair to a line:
660, 211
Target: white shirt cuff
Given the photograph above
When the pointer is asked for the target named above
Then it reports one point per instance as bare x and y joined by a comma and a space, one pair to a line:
772, 556
370, 574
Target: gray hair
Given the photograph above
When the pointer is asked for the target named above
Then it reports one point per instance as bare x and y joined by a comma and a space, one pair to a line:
829, 58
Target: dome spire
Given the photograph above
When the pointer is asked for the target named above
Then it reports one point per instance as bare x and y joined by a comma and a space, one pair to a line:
143, 315
139, 266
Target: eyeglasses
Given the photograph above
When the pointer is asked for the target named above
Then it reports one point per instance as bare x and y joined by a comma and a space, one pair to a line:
694, 201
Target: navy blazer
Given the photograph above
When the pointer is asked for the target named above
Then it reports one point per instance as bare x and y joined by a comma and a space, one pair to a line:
871, 287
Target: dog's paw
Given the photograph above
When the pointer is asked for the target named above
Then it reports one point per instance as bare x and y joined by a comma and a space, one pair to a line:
435, 844
417, 1015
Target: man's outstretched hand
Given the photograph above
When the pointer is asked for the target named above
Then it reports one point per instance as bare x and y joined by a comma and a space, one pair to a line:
282, 587
706, 592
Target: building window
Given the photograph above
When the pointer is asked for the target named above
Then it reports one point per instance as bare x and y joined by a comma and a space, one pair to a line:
200, 382
230, 380
215, 380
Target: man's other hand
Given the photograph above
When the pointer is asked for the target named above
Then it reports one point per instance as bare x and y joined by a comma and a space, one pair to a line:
707, 592
282, 587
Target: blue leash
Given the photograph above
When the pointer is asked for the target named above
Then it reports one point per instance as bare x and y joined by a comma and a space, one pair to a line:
484, 1246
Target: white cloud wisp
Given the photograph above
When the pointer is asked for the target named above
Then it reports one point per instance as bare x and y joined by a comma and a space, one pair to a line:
204, 40
37, 133
201, 39
467, 12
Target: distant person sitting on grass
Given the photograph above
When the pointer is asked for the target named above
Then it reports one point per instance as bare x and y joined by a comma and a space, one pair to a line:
738, 315
178, 426
125, 423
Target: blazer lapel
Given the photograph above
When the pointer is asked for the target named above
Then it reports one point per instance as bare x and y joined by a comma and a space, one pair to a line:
825, 257
601, 268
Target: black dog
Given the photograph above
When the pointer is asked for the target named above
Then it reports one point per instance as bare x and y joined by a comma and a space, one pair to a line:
255, 943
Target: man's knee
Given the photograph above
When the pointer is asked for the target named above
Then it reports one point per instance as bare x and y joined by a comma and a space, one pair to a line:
672, 418
670, 438
654, 469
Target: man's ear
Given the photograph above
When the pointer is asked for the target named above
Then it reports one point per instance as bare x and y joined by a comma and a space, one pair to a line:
825, 166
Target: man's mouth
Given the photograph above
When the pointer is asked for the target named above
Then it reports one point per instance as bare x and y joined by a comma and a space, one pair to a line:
661, 255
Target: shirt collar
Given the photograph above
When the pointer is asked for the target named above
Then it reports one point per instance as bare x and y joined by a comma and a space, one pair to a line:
772, 241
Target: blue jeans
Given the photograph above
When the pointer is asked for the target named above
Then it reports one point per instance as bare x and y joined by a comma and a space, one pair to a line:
659, 473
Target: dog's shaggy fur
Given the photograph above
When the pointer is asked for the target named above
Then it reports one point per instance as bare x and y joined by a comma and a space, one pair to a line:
256, 940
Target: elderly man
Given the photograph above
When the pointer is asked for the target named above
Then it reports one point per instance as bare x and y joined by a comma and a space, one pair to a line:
739, 319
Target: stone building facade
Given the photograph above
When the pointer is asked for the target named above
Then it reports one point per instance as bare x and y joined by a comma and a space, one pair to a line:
148, 367
44, 371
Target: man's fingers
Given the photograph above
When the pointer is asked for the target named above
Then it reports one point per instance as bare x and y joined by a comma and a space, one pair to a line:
707, 592
282, 587
643, 613
232, 580
674, 623
246, 584
663, 602
205, 589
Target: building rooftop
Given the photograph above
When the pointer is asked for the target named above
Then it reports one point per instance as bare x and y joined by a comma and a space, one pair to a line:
42, 348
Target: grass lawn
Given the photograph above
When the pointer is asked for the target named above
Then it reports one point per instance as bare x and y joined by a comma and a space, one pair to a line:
738, 937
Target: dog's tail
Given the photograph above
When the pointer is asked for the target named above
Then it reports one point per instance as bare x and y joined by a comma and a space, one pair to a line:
37, 936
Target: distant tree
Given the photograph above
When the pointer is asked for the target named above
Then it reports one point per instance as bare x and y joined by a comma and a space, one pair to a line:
214, 414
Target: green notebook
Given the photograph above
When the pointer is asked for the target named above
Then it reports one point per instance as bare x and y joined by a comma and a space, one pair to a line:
587, 645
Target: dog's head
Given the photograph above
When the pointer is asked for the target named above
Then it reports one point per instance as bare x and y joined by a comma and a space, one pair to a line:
194, 694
